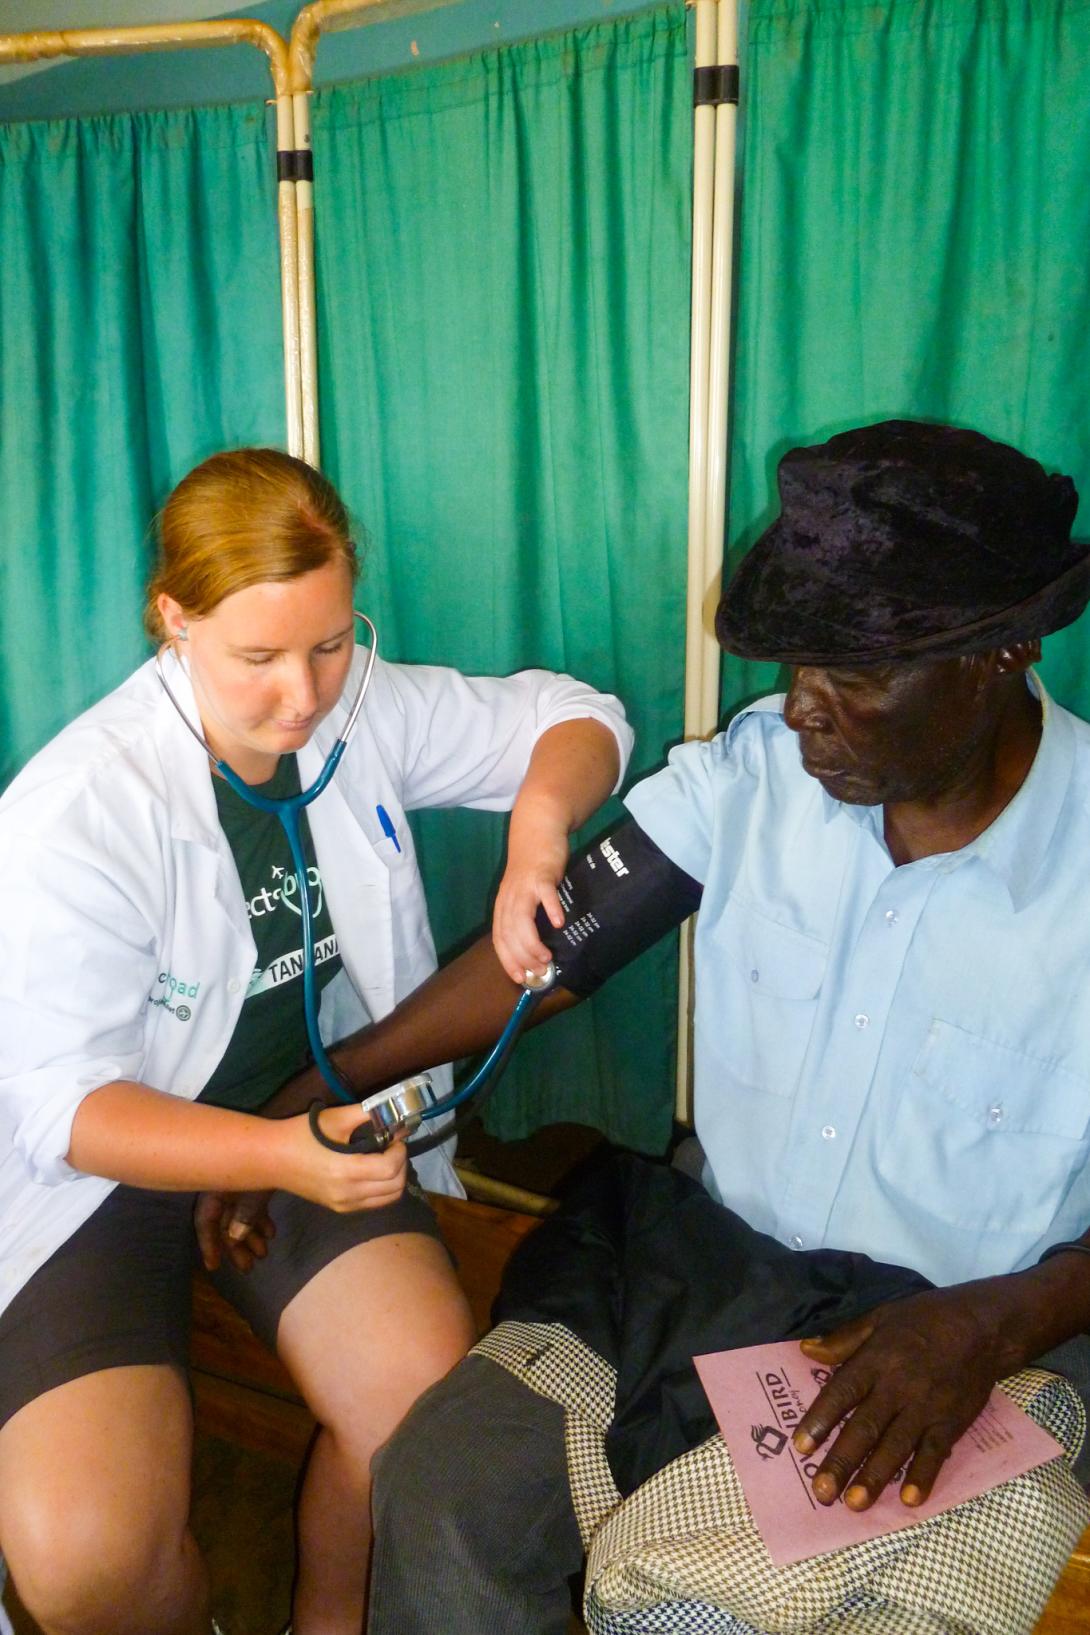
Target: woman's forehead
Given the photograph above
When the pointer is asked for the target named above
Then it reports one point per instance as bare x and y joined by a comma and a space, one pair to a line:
284, 604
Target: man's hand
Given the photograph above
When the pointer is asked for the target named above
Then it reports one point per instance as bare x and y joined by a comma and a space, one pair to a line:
238, 1222
912, 1375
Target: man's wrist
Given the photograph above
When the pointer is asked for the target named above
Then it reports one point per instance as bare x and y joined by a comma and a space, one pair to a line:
299, 1093
1044, 1305
1072, 1246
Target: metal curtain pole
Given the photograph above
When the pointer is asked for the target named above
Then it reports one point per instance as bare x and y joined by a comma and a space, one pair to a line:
288, 223
715, 99
105, 42
115, 42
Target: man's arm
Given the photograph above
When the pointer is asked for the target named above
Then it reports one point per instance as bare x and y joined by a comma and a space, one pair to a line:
459, 1011
914, 1374
620, 894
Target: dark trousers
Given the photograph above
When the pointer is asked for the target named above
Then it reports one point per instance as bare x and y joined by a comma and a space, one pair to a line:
474, 1528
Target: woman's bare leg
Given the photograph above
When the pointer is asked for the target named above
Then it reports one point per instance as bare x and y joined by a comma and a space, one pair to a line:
94, 1506
366, 1336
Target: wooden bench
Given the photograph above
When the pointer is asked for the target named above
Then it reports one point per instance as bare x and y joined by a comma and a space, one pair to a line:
243, 1394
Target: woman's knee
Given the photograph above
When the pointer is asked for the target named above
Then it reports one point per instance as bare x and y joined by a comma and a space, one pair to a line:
373, 1331
79, 1565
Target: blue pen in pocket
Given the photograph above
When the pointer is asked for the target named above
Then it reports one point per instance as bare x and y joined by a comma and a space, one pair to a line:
387, 827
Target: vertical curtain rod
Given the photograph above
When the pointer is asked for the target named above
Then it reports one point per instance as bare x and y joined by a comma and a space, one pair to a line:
321, 17
715, 83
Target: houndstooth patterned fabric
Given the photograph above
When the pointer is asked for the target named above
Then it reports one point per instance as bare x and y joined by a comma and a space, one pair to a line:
682, 1552
551, 1360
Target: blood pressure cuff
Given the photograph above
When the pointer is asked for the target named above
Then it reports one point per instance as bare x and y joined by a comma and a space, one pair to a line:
620, 894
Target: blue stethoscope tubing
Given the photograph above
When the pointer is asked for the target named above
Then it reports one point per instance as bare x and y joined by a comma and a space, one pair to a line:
475, 1089
287, 809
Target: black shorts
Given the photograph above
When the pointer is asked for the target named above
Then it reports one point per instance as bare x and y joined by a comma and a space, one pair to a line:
117, 1293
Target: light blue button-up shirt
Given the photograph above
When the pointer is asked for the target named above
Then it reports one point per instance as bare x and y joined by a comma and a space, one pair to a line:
889, 1059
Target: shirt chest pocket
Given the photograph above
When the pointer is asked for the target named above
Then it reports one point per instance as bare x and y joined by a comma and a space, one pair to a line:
984, 1136
757, 991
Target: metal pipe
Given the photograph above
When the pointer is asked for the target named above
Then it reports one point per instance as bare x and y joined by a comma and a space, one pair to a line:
699, 340
726, 124
287, 220
714, 135
308, 319
321, 17
117, 42
328, 16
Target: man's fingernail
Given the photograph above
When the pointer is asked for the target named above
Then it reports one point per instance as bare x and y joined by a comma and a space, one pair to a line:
857, 1497
825, 1488
804, 1442
237, 1230
911, 1494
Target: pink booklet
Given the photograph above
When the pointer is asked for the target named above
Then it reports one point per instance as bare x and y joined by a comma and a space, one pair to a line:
758, 1395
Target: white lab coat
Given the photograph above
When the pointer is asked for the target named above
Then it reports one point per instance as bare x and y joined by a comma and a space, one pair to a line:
125, 948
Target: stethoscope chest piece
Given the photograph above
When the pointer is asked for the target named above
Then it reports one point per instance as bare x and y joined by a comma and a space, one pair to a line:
387, 1114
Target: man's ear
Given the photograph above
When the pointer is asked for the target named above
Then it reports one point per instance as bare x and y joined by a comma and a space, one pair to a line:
1016, 657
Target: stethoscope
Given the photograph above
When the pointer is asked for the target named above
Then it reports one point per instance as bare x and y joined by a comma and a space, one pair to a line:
400, 1109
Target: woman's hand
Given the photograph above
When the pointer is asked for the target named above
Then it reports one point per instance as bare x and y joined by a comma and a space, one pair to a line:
148, 1138
530, 880
573, 767
341, 1181
238, 1222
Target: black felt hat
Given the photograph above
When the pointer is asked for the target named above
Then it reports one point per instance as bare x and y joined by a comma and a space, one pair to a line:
903, 540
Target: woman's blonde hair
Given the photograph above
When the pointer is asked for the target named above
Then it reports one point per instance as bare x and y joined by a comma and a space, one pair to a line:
242, 518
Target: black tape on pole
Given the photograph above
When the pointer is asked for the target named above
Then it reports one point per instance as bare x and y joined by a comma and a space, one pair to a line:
295, 165
716, 84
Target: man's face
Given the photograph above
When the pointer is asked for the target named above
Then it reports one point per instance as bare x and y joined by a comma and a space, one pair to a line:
902, 731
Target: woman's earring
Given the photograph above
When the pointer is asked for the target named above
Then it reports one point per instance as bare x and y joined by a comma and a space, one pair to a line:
183, 633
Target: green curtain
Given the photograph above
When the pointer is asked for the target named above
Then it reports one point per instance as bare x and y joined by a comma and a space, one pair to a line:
503, 292
139, 331
914, 232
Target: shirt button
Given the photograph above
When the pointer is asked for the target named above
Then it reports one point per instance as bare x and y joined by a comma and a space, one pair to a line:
755, 976
995, 1115
828, 1132
891, 916
233, 986
862, 1021
795, 1242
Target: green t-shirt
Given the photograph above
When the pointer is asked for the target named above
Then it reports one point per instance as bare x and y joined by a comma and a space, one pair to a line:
269, 1043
